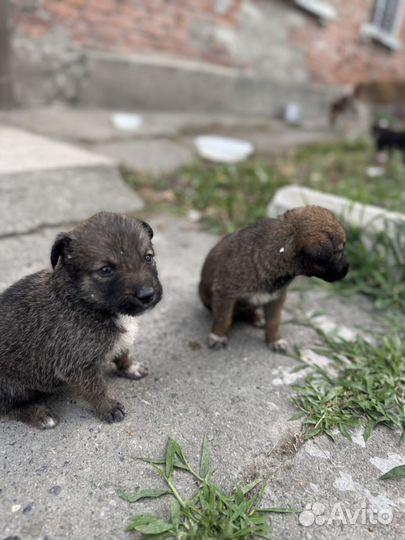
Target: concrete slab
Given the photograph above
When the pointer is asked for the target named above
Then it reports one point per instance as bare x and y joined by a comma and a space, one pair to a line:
116, 80
21, 151
155, 156
338, 488
32, 200
43, 182
61, 484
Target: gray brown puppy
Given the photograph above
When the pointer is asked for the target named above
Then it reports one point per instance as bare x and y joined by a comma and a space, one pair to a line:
58, 328
247, 273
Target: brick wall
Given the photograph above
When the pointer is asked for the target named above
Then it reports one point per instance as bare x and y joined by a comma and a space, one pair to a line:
132, 26
337, 54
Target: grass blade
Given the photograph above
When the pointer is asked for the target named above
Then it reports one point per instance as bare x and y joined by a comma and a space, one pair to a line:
153, 461
170, 455
142, 494
246, 489
204, 462
148, 524
396, 472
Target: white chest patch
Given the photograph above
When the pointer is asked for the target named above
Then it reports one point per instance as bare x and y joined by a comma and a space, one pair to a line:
259, 299
129, 330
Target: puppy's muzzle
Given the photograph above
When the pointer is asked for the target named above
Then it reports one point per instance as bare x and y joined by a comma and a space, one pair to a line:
146, 295
337, 272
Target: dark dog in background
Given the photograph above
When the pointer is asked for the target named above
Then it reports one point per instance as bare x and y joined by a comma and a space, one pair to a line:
387, 140
247, 273
58, 328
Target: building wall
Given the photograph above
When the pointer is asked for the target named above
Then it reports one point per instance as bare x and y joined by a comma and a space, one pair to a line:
265, 39
339, 55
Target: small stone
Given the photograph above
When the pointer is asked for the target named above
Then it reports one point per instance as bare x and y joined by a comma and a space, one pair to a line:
55, 490
194, 215
15, 508
27, 509
194, 345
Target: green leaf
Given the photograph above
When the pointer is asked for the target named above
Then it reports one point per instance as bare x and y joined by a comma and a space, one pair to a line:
170, 455
396, 472
142, 494
204, 461
153, 461
175, 511
148, 524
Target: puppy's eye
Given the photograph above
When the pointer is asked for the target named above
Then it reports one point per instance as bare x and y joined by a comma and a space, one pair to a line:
149, 257
106, 271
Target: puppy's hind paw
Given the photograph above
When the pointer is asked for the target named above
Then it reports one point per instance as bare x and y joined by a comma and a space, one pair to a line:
279, 346
217, 342
135, 371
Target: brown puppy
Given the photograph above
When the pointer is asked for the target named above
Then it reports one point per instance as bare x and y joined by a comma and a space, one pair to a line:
58, 328
247, 273
373, 93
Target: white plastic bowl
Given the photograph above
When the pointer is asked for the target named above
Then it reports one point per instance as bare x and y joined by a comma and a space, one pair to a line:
126, 121
223, 149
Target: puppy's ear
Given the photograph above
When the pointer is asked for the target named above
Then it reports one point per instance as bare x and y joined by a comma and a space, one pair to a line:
147, 228
319, 253
59, 247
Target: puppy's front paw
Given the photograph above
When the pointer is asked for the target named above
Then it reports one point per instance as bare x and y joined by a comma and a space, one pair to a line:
115, 412
279, 346
135, 371
217, 342
45, 419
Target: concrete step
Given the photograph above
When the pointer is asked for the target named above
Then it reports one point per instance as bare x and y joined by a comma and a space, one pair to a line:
372, 219
45, 183
94, 126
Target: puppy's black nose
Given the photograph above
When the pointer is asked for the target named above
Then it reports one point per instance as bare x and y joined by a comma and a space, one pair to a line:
145, 294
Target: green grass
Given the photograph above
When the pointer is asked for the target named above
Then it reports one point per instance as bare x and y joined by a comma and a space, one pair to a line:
210, 514
231, 196
364, 385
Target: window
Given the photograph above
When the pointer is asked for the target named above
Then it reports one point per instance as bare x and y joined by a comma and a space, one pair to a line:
385, 22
